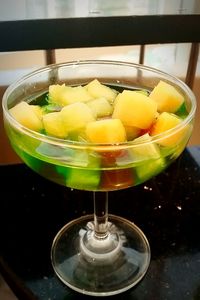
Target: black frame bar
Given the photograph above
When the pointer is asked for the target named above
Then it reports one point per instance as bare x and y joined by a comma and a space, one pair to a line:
44, 34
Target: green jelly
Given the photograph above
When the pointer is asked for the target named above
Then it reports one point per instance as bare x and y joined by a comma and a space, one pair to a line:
149, 169
83, 172
182, 111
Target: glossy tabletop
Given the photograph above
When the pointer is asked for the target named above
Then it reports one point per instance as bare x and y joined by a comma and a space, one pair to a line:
166, 208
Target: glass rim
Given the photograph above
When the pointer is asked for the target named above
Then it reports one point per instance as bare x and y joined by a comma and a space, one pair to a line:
81, 144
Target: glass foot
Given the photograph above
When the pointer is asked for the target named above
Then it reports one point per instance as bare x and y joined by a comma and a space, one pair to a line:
100, 267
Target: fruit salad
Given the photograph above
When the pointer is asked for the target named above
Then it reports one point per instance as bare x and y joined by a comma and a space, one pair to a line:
116, 137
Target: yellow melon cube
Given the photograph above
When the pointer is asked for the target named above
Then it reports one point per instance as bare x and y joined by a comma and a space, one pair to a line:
26, 116
167, 97
56, 92
64, 95
135, 109
37, 110
76, 94
98, 90
76, 116
53, 125
100, 107
132, 132
164, 122
106, 131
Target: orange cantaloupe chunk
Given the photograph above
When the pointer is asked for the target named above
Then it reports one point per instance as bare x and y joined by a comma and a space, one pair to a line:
167, 97
135, 109
132, 132
106, 131
165, 122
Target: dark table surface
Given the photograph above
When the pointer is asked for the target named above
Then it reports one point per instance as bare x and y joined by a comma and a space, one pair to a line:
166, 208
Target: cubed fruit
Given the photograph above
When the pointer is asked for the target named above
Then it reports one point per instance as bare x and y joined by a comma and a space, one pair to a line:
106, 131
167, 97
53, 125
98, 90
26, 116
76, 94
164, 122
76, 116
37, 110
135, 109
147, 158
56, 92
132, 132
64, 95
100, 107
144, 149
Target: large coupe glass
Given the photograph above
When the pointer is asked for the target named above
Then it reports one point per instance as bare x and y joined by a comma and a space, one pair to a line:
99, 254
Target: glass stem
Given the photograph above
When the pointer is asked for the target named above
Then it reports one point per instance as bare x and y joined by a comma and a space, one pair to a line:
100, 214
